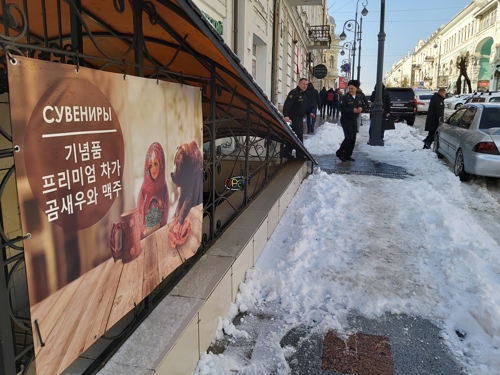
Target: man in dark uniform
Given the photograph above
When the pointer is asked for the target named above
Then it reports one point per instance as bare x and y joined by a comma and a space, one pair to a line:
351, 106
294, 110
435, 112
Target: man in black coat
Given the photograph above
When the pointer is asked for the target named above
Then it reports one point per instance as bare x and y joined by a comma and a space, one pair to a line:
294, 110
322, 97
313, 103
351, 107
435, 112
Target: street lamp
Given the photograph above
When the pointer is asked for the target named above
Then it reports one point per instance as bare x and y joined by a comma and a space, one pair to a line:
353, 25
439, 60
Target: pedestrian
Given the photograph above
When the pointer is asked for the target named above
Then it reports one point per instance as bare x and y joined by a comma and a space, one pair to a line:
294, 110
386, 106
330, 95
362, 97
336, 104
322, 96
351, 106
313, 102
435, 112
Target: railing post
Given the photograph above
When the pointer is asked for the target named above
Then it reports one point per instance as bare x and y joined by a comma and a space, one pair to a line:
7, 350
248, 123
213, 148
76, 28
139, 46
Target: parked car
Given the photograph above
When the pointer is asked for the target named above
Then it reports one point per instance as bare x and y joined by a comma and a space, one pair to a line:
458, 101
470, 139
423, 100
485, 97
403, 104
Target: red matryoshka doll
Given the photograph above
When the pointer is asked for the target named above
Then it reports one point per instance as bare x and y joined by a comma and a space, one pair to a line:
153, 197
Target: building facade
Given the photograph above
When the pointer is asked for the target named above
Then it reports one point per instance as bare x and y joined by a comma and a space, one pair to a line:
466, 47
277, 41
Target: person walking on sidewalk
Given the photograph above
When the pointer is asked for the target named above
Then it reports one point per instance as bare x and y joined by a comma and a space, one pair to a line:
322, 97
294, 110
435, 112
330, 95
351, 107
362, 97
336, 104
313, 102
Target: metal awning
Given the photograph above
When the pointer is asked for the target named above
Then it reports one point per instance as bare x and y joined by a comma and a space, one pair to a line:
179, 44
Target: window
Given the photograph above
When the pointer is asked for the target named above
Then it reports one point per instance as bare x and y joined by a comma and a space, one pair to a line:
467, 118
454, 119
332, 62
490, 118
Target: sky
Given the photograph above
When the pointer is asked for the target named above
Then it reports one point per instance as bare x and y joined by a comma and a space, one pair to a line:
425, 246
406, 22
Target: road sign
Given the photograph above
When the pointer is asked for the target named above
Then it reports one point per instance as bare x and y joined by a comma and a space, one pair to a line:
346, 68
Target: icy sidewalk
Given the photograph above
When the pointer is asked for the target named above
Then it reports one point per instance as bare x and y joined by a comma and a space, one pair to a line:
401, 258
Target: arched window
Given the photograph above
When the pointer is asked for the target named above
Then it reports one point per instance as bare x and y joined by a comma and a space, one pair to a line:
332, 62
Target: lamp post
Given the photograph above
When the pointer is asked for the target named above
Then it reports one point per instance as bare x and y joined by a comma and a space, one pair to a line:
349, 25
376, 124
439, 60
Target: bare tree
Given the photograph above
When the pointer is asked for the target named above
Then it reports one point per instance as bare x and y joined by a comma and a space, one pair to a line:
461, 64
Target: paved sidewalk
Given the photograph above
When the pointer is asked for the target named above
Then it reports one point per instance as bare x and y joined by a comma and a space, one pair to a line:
364, 165
391, 344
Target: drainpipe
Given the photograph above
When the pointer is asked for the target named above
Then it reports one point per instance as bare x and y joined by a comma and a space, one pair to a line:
235, 27
274, 54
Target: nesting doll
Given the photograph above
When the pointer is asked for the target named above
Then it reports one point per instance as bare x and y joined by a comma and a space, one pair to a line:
153, 197
187, 175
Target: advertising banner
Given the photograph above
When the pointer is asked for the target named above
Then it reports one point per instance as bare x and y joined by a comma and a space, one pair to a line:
109, 178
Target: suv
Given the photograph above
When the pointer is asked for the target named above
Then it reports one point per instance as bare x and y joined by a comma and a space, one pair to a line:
403, 104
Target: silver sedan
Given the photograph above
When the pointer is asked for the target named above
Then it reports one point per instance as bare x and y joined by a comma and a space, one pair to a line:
470, 140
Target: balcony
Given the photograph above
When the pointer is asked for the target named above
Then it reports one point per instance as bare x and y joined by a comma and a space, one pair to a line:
319, 36
416, 66
429, 58
294, 3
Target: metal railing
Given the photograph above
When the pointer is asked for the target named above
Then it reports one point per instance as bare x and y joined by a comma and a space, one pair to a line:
232, 146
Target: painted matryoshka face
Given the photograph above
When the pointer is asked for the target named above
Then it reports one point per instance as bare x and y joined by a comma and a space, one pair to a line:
154, 167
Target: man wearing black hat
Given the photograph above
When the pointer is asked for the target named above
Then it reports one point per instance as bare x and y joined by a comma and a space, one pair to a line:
351, 107
294, 110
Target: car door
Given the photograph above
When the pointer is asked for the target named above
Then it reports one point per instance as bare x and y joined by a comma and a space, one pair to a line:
446, 128
458, 131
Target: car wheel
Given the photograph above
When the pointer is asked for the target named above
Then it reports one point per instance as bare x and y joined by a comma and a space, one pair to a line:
458, 105
410, 122
459, 167
435, 147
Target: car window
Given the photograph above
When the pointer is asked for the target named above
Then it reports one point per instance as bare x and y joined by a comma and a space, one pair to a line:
425, 97
495, 99
455, 118
401, 95
466, 120
490, 118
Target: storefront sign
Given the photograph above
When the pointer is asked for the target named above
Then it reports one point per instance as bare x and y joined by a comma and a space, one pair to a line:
483, 85
218, 25
320, 71
109, 177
